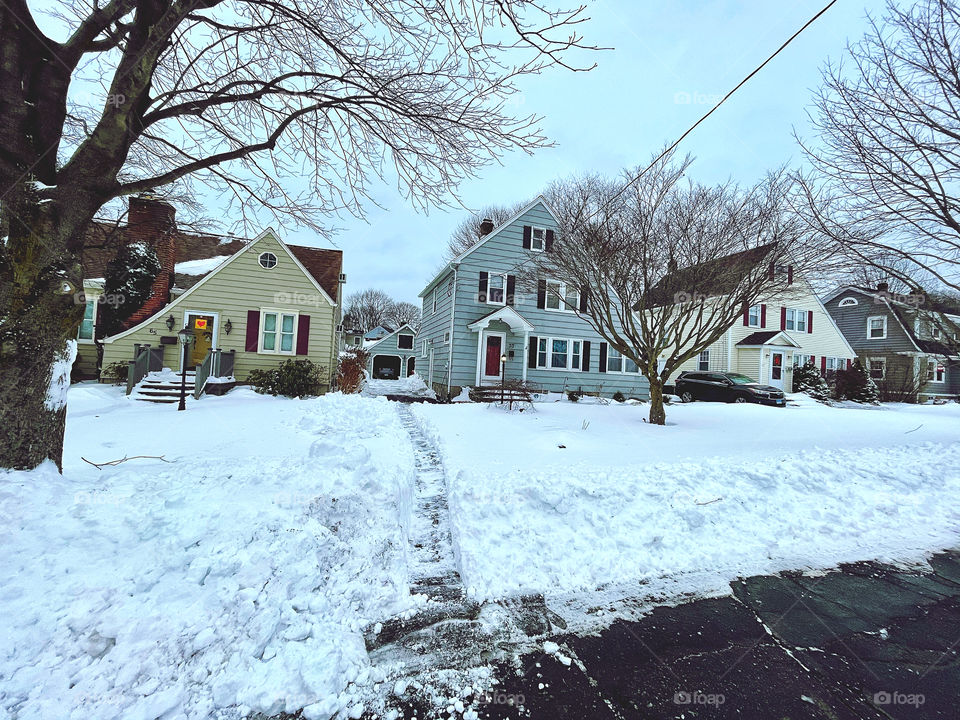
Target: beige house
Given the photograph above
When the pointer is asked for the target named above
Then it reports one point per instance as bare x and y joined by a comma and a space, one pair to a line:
775, 336
262, 304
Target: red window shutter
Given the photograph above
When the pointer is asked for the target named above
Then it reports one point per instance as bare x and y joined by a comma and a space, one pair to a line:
541, 293
603, 358
771, 272
303, 334
823, 365
527, 234
511, 288
482, 296
746, 315
789, 274
809, 321
849, 363
532, 352
763, 315
585, 359
813, 359
549, 243
783, 318
253, 330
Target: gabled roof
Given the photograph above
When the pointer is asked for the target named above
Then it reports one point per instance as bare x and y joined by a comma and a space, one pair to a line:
712, 277
506, 314
768, 337
389, 335
539, 200
269, 231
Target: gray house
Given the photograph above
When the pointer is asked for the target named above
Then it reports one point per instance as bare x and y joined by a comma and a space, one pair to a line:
910, 350
477, 329
393, 356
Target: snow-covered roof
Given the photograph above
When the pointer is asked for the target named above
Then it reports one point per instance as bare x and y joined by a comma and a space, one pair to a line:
199, 267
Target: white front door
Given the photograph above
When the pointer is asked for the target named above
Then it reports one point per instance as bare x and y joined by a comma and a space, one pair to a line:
777, 360
494, 345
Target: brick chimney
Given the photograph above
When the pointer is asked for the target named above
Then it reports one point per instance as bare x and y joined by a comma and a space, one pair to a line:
153, 222
486, 227
883, 286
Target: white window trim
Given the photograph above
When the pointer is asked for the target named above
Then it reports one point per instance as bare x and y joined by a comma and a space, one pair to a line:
412, 341
623, 357
569, 354
936, 364
95, 298
446, 337
797, 314
296, 330
750, 322
700, 360
490, 276
848, 302
562, 295
276, 260
423, 348
878, 337
533, 230
436, 291
870, 361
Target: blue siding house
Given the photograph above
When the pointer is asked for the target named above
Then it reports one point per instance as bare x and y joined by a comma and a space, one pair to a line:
478, 326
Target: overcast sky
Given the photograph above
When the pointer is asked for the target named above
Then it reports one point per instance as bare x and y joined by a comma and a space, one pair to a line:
629, 106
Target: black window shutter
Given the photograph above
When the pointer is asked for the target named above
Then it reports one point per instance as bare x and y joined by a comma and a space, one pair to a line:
603, 357
585, 361
527, 234
583, 301
511, 288
482, 296
549, 245
532, 353
541, 293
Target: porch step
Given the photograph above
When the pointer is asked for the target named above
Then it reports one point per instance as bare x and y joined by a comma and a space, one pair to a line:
164, 386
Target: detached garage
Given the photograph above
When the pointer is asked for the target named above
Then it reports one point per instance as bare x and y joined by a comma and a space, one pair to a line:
393, 356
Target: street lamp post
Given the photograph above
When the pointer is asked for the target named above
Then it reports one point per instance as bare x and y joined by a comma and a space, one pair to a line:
186, 337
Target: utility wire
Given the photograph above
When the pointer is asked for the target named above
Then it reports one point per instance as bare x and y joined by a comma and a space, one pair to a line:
714, 108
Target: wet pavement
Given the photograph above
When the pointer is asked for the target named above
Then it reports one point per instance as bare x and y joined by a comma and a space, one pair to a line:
865, 641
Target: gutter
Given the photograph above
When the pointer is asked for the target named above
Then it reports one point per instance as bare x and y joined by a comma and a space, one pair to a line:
453, 312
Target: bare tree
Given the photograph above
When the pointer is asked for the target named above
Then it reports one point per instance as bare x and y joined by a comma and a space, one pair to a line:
887, 164
247, 98
667, 266
467, 233
404, 313
367, 309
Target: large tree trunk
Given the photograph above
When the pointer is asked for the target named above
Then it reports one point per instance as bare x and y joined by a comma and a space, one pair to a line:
41, 305
658, 415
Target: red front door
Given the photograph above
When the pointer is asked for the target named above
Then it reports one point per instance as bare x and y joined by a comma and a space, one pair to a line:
492, 366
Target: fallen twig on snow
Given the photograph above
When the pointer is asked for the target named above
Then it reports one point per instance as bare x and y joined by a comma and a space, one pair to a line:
124, 459
914, 430
709, 502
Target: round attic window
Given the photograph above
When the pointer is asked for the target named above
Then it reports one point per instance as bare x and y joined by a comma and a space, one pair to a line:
268, 260
848, 302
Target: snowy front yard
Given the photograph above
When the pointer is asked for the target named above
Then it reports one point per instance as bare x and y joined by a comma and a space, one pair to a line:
575, 496
238, 575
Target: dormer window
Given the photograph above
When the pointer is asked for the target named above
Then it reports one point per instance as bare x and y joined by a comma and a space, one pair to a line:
268, 260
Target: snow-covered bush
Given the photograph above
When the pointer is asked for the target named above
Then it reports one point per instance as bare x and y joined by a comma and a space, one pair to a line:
115, 372
808, 380
293, 378
619, 397
855, 384
128, 279
351, 369
573, 395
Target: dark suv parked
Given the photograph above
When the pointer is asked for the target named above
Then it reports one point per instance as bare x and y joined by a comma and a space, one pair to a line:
727, 387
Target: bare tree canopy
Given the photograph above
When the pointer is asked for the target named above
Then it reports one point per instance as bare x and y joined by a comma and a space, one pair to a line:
666, 267
249, 99
403, 313
886, 180
367, 309
468, 232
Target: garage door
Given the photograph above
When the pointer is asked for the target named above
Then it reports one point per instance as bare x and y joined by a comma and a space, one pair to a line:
387, 367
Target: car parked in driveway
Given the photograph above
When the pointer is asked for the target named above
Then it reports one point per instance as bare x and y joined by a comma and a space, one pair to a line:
727, 387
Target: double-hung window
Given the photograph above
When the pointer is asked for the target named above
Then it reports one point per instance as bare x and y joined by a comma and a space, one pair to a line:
538, 238
559, 353
753, 316
796, 320
436, 293
877, 327
935, 371
877, 368
703, 363
278, 331
799, 360
562, 297
496, 289
616, 362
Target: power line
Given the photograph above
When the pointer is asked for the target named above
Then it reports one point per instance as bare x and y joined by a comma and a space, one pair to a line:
714, 108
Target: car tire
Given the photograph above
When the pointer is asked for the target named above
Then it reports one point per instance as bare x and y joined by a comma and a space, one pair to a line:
686, 396
741, 399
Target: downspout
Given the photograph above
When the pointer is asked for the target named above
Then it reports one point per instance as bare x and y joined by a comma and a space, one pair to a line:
453, 312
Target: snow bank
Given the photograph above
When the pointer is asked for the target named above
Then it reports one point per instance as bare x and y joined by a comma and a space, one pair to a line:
237, 575
412, 386
570, 498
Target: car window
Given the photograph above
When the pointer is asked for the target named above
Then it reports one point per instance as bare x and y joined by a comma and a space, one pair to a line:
741, 379
693, 376
717, 377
